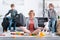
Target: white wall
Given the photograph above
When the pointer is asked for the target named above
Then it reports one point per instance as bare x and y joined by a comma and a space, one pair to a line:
34, 5
24, 7
0, 6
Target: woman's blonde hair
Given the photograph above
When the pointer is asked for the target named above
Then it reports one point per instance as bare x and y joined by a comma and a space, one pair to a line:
31, 11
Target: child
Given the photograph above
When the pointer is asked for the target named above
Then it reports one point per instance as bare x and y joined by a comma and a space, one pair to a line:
13, 15
52, 18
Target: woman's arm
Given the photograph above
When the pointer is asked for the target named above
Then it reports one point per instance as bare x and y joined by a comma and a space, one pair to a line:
36, 23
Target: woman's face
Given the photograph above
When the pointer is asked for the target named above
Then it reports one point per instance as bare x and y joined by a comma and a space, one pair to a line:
31, 15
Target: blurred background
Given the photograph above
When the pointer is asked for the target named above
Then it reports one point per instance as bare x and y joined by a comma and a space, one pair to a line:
23, 6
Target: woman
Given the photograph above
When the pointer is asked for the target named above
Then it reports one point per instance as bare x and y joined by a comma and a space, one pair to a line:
31, 24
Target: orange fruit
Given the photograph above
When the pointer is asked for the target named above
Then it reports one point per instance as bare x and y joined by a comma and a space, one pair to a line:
42, 34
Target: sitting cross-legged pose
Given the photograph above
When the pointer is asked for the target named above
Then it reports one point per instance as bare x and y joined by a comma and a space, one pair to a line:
31, 24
